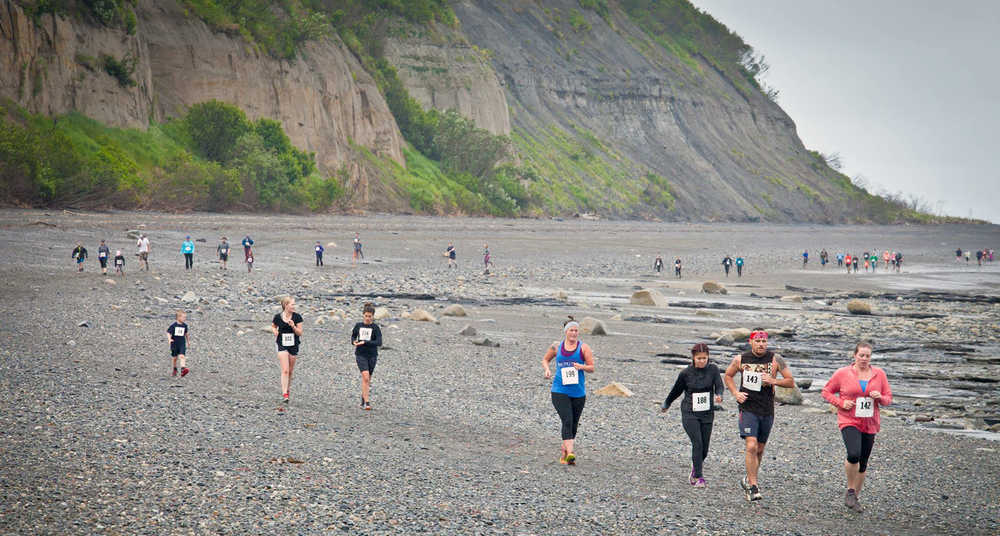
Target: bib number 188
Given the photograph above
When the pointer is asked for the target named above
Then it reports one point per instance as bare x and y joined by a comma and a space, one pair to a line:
700, 402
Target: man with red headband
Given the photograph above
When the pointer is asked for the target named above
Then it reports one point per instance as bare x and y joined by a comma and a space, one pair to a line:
755, 395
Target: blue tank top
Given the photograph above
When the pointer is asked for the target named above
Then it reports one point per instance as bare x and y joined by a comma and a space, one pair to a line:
864, 385
563, 360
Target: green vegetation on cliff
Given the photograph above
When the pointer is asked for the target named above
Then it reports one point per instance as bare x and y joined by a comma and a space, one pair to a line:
212, 159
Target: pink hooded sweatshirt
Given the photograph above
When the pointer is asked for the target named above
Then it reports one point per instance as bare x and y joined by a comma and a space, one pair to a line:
844, 385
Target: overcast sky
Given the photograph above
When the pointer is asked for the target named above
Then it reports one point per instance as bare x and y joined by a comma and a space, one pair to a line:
906, 91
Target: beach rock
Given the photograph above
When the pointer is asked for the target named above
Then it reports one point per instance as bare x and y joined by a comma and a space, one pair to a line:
726, 339
858, 307
740, 334
804, 383
223, 301
133, 234
616, 317
468, 331
560, 295
381, 313
791, 299
711, 287
614, 389
320, 320
189, 297
648, 297
702, 312
593, 326
421, 315
83, 324
454, 310
110, 281
485, 341
788, 395
161, 301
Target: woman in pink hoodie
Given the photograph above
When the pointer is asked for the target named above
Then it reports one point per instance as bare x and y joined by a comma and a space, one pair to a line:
858, 391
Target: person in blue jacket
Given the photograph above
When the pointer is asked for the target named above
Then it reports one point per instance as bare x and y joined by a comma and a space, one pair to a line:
187, 248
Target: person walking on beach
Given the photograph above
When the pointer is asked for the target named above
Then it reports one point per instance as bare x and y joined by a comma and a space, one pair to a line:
898, 261
979, 257
848, 259
574, 359
805, 259
967, 253
677, 267
700, 383
658, 264
120, 263
223, 250
358, 254
487, 260
885, 259
739, 266
143, 245
840, 260
79, 255
366, 338
450, 254
758, 370
874, 260
727, 263
187, 248
177, 336
248, 252
287, 328
824, 257
958, 255
103, 254
856, 259
319, 253
858, 391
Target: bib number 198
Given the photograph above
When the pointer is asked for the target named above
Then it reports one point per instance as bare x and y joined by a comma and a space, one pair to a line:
864, 407
570, 376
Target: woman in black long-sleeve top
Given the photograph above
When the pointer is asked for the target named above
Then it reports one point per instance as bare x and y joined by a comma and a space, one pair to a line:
697, 383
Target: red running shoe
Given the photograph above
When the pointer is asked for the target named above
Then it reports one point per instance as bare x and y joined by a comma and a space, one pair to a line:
184, 371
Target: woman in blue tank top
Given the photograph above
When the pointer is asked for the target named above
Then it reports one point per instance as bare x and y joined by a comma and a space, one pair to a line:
573, 359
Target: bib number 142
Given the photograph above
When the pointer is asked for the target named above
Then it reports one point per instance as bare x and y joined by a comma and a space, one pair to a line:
864, 407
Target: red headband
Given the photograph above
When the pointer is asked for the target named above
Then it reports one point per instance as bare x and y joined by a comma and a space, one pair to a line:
758, 335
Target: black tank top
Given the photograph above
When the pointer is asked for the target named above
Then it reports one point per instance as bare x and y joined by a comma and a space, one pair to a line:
759, 402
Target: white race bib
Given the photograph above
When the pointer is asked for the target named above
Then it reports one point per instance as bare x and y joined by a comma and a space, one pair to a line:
569, 375
287, 340
179, 331
751, 380
250, 260
317, 249
364, 334
103, 254
864, 407
701, 401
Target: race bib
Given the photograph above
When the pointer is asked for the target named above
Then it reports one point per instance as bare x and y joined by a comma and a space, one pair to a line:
317, 249
250, 260
179, 331
103, 254
569, 375
225, 251
288, 340
365, 334
119, 262
864, 407
751, 380
701, 401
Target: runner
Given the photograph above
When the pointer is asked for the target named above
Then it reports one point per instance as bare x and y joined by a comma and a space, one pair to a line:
805, 259
223, 250
874, 260
569, 394
824, 257
450, 253
677, 268
287, 328
144, 249
103, 252
739, 266
319, 253
858, 391
866, 260
248, 252
177, 336
958, 255
487, 260
727, 263
187, 248
979, 256
840, 260
79, 254
658, 264
848, 260
898, 260
120, 263
366, 338
756, 399
856, 259
698, 382
885, 259
967, 253
357, 249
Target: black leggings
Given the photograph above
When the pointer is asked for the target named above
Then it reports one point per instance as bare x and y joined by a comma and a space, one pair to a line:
569, 410
188, 261
859, 446
700, 433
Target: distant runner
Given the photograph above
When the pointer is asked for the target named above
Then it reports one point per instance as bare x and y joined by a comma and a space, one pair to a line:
177, 336
701, 384
727, 263
487, 259
450, 254
569, 394
287, 328
120, 263
79, 255
143, 245
366, 338
187, 248
248, 252
739, 266
805, 258
677, 268
658, 264
858, 391
357, 249
319, 253
103, 253
223, 250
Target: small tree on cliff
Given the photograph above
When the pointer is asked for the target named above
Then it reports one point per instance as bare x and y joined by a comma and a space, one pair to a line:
215, 127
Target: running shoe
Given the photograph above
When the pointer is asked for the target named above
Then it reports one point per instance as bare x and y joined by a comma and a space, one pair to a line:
562, 460
691, 478
175, 372
284, 398
700, 483
851, 501
571, 459
368, 406
754, 494
745, 484
184, 371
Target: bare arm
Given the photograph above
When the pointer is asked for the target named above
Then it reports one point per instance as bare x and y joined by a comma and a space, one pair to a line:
786, 374
731, 371
549, 354
297, 328
274, 329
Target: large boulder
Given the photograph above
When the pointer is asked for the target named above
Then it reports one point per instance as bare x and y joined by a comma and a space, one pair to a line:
792, 299
859, 307
740, 334
421, 315
711, 287
593, 326
381, 313
788, 395
189, 297
454, 310
468, 331
614, 389
648, 296
560, 295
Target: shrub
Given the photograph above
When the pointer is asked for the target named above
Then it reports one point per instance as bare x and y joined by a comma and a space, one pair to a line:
121, 69
214, 128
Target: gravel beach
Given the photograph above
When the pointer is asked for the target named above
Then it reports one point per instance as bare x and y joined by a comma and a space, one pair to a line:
98, 438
